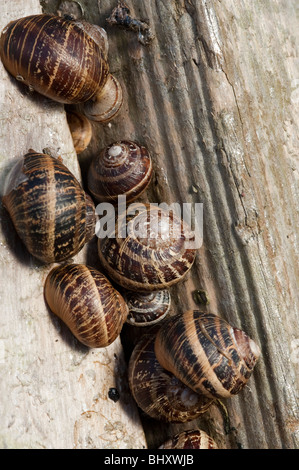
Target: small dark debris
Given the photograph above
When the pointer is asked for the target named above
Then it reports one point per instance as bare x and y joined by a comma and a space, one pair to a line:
68, 17
200, 297
113, 394
70, 10
120, 16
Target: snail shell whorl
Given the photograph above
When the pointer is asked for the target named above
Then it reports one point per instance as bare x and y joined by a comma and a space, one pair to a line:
158, 392
106, 104
51, 213
122, 168
146, 309
55, 57
97, 33
153, 255
81, 130
206, 353
196, 439
87, 303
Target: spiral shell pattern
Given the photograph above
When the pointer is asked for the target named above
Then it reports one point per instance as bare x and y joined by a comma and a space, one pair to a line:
206, 353
122, 168
51, 213
158, 392
55, 57
152, 254
87, 303
106, 104
192, 439
149, 308
80, 129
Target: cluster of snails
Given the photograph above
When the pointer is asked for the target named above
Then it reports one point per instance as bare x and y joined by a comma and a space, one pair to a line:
52, 214
176, 372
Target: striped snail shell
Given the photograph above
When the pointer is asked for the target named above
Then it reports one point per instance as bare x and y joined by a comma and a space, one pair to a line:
80, 129
56, 56
152, 252
192, 439
157, 392
52, 214
206, 353
96, 33
122, 168
147, 308
106, 104
87, 303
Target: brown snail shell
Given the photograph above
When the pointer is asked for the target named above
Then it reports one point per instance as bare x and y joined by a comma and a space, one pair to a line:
122, 168
87, 303
192, 439
147, 308
55, 56
106, 104
158, 392
151, 254
81, 130
206, 353
52, 214
95, 32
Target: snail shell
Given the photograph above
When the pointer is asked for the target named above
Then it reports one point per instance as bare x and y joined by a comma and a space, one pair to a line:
96, 33
193, 439
51, 213
146, 309
206, 353
55, 56
87, 303
80, 129
151, 254
107, 103
158, 392
122, 168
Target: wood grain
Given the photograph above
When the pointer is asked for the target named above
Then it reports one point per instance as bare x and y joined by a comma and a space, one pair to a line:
214, 98
54, 390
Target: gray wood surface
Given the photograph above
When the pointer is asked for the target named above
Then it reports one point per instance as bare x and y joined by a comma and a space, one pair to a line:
214, 97
54, 391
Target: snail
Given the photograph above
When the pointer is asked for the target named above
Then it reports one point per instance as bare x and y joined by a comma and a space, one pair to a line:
206, 353
62, 59
157, 392
107, 103
87, 303
146, 309
52, 214
192, 439
80, 129
148, 251
122, 168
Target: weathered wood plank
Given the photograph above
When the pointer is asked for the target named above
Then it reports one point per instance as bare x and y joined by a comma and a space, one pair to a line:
54, 392
214, 97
